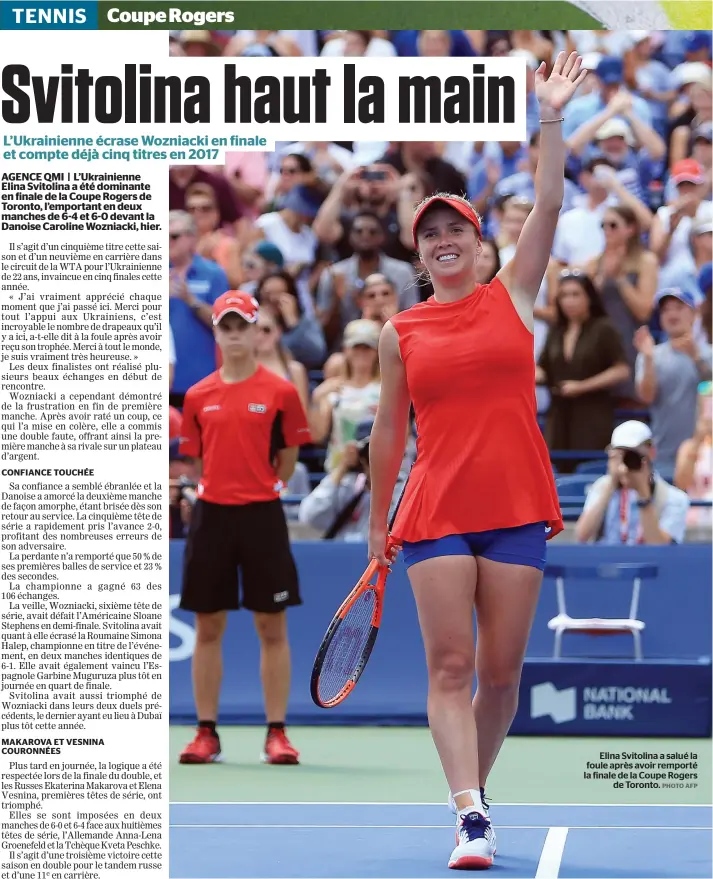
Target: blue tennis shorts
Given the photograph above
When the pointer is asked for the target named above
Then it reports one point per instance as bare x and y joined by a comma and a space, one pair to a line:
524, 545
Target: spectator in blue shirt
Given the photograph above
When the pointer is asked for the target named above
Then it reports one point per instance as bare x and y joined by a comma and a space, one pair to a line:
522, 183
697, 46
195, 284
610, 135
610, 74
653, 80
495, 162
406, 44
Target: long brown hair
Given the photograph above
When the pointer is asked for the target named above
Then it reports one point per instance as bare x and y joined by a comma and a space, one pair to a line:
634, 247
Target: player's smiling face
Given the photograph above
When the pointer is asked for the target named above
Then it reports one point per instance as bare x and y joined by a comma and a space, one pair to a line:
448, 243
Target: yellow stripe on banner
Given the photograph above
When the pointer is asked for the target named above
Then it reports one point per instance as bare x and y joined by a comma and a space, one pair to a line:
688, 14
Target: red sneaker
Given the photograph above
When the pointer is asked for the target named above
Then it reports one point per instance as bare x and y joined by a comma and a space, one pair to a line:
205, 748
278, 749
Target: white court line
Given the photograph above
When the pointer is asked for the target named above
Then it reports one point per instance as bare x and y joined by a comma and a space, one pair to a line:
442, 803
422, 827
552, 851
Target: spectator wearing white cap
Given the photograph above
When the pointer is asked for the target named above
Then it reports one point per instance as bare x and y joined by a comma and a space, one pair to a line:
610, 76
672, 225
632, 504
650, 78
339, 404
692, 108
634, 148
668, 374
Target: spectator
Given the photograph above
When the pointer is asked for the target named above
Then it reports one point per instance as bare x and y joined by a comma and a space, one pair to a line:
357, 44
406, 43
180, 177
532, 106
489, 263
650, 78
377, 188
515, 211
668, 374
672, 225
694, 113
377, 300
694, 461
579, 236
434, 44
302, 334
259, 260
421, 157
213, 242
195, 283
610, 75
625, 276
198, 44
247, 175
295, 170
268, 44
339, 505
290, 230
340, 285
522, 183
632, 504
634, 149
496, 162
271, 353
339, 404
583, 359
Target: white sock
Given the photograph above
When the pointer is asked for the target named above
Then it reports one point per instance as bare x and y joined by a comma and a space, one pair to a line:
477, 802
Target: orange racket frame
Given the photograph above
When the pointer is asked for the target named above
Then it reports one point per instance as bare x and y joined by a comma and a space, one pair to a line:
382, 572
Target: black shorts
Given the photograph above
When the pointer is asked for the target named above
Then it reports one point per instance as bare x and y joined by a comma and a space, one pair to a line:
252, 538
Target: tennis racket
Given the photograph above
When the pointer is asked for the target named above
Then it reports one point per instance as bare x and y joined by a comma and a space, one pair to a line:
349, 640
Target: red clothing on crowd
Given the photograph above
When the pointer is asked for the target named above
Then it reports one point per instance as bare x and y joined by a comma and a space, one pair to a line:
481, 461
237, 429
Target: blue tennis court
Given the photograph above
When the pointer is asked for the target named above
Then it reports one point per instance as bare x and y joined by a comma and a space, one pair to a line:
413, 840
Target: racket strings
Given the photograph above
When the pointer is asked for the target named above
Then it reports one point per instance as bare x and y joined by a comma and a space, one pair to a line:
346, 649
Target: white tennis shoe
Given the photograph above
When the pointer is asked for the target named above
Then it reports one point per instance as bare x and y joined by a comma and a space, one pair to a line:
475, 842
454, 809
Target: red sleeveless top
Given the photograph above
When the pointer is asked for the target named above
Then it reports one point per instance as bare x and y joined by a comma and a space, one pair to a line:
481, 462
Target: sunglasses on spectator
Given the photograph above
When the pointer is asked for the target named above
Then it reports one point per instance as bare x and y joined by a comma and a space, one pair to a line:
569, 274
204, 208
376, 294
366, 230
289, 169
609, 224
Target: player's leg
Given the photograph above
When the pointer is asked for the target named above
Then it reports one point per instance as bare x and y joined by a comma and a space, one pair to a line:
444, 587
210, 589
270, 585
509, 580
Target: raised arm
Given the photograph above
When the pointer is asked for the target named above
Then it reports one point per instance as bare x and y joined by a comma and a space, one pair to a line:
523, 275
388, 438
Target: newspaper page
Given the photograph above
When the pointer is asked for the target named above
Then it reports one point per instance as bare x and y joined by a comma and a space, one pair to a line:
163, 170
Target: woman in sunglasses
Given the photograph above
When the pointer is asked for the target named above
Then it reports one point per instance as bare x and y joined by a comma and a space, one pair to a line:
583, 359
272, 354
625, 276
481, 500
302, 334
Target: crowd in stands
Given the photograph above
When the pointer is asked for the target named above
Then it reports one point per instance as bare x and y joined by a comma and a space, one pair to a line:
320, 234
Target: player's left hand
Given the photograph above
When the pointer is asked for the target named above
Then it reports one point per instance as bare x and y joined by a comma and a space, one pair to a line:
566, 77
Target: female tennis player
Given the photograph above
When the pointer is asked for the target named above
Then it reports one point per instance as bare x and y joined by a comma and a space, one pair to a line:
481, 500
